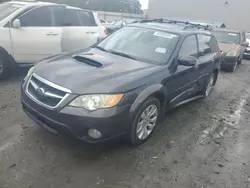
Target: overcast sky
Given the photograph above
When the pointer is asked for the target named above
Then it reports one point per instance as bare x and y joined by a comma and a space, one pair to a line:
144, 4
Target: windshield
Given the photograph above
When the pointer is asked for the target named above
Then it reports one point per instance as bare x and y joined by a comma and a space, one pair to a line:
7, 9
227, 37
141, 44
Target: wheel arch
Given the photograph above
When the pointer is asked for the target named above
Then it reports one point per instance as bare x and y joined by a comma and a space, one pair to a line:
158, 91
216, 73
5, 52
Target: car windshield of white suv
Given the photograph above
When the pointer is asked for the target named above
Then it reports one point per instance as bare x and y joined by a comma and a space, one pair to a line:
227, 37
141, 44
6, 9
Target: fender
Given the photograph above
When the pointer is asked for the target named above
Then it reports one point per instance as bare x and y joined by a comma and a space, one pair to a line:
157, 88
3, 50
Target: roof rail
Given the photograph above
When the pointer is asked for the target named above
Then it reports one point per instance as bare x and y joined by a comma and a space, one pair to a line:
189, 24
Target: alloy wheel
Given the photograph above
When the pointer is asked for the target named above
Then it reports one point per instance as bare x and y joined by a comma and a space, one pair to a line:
147, 122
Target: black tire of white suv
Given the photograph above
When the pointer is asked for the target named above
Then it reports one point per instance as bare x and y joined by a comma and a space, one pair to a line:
5, 65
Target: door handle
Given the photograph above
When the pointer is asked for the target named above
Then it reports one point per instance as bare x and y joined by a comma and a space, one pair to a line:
90, 32
52, 34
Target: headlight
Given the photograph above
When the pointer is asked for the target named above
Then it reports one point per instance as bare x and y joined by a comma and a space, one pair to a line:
28, 74
231, 53
94, 102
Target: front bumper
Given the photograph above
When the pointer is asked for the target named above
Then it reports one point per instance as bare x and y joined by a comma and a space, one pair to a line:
228, 61
111, 122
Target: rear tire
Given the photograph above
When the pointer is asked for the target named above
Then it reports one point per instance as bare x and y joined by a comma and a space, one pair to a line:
209, 85
233, 68
145, 121
5, 65
240, 61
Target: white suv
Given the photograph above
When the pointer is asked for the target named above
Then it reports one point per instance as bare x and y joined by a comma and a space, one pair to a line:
30, 31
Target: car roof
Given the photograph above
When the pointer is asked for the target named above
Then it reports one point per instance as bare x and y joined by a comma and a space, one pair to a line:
35, 3
227, 30
31, 2
182, 29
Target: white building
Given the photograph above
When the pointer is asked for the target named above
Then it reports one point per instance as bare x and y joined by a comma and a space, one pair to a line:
235, 13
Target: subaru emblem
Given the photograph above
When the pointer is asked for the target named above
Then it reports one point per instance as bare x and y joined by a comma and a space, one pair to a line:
40, 91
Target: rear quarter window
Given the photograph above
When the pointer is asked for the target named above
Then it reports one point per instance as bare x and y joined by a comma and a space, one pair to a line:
87, 18
214, 45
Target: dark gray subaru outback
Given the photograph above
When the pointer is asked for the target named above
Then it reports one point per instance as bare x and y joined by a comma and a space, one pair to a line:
124, 84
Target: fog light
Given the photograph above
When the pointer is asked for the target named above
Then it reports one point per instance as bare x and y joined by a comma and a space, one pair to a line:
93, 133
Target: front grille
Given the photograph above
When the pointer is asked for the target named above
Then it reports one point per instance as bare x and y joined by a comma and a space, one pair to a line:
45, 92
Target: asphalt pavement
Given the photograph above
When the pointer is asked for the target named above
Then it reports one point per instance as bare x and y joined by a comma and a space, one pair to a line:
203, 144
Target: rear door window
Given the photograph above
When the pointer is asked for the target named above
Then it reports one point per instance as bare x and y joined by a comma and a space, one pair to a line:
39, 17
205, 45
59, 13
71, 18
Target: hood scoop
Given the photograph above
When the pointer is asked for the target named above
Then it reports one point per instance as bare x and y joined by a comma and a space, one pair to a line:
87, 61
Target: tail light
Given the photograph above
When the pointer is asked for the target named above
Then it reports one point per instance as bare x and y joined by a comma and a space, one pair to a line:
105, 31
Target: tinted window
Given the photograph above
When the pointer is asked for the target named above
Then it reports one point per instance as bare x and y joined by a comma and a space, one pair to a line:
59, 13
142, 44
227, 37
87, 18
205, 46
189, 47
214, 45
71, 18
37, 17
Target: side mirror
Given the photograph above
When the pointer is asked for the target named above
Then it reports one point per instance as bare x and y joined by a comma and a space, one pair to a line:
245, 44
187, 61
16, 23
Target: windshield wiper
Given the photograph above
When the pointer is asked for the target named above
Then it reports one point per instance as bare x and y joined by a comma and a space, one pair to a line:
122, 54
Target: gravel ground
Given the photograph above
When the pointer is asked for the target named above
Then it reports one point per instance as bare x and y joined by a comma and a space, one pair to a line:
203, 144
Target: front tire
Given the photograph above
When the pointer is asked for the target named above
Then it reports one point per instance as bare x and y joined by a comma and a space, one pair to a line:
5, 66
145, 121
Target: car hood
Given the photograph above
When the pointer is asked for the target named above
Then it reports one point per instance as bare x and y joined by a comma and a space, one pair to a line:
83, 75
225, 47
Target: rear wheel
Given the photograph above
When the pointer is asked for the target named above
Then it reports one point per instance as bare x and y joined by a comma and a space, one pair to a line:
240, 61
233, 68
210, 84
5, 65
145, 121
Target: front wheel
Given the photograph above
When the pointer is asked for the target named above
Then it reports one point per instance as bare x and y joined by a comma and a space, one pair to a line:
145, 121
4, 66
